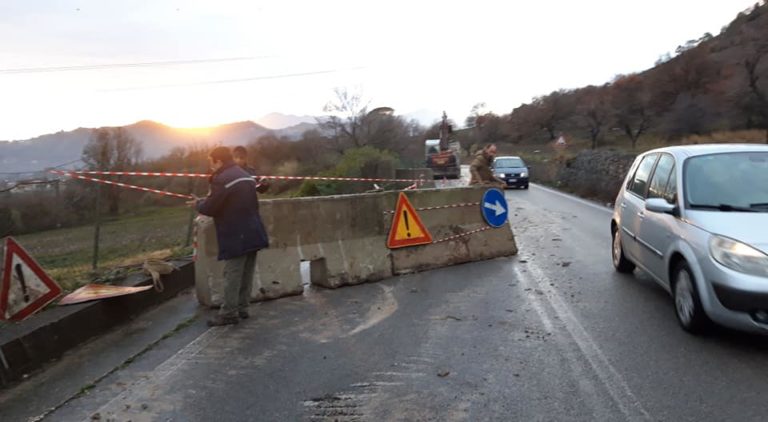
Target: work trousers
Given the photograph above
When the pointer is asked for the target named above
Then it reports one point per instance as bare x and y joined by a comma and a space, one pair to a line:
238, 283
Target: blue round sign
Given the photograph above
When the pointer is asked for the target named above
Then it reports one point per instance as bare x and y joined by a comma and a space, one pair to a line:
494, 207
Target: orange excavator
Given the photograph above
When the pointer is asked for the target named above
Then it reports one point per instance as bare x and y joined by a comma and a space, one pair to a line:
443, 155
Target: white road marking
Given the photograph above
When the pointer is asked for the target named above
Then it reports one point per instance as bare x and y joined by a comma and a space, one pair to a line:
376, 384
165, 369
400, 374
614, 383
574, 198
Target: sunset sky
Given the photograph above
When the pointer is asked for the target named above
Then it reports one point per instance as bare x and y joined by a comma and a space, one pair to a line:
193, 63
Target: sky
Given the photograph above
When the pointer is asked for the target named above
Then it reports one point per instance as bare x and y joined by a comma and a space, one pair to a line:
195, 63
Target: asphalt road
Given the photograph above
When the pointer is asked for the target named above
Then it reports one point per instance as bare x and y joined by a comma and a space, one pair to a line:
552, 334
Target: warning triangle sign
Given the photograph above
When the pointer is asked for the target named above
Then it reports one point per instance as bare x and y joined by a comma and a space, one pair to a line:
407, 228
25, 287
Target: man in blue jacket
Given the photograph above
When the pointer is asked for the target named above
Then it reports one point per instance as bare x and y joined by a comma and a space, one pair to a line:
233, 203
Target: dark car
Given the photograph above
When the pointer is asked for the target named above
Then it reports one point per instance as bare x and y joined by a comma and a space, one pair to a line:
512, 170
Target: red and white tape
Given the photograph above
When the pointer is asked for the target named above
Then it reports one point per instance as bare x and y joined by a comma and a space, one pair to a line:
165, 174
440, 207
140, 173
448, 239
122, 185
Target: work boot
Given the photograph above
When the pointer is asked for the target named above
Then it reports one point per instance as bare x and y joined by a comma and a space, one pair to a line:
219, 320
243, 314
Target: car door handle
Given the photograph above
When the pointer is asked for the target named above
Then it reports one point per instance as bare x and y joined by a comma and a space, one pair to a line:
641, 214
623, 204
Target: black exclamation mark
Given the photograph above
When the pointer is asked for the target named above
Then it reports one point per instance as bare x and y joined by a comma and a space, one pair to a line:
407, 226
20, 275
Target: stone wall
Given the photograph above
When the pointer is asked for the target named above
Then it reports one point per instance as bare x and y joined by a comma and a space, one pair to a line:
595, 174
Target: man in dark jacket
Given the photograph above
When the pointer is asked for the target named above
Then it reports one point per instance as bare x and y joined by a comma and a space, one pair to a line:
241, 159
233, 203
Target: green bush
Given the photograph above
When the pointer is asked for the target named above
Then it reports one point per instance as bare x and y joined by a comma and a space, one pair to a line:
367, 162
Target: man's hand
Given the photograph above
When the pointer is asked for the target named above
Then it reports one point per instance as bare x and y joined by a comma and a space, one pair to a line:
262, 185
193, 202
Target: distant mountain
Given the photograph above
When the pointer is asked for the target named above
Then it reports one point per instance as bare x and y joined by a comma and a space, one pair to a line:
295, 132
282, 121
43, 151
157, 139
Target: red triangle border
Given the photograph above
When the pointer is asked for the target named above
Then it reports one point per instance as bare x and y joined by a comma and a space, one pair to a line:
11, 247
392, 243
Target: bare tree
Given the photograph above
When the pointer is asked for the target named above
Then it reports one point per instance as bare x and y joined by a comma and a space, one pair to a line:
756, 65
550, 111
347, 112
112, 149
521, 124
384, 130
476, 115
593, 111
631, 106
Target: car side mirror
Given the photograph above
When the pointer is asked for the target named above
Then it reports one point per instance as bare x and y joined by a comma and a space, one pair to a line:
659, 205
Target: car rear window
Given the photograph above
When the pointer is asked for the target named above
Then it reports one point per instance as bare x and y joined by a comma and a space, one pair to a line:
640, 181
661, 176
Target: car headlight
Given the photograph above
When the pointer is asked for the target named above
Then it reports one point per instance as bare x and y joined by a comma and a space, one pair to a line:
523, 174
501, 174
738, 256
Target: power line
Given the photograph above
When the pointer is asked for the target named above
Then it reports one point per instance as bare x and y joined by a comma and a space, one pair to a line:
229, 81
20, 70
40, 171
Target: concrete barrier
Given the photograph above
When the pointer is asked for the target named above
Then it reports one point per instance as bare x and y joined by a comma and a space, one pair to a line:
209, 272
343, 237
344, 240
447, 222
424, 174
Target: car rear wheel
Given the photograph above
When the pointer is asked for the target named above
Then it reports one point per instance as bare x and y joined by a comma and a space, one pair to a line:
620, 262
688, 307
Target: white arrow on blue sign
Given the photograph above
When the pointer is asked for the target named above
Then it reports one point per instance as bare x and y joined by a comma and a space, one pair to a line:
494, 207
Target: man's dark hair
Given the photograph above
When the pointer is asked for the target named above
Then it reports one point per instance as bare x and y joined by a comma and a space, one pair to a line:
240, 151
222, 154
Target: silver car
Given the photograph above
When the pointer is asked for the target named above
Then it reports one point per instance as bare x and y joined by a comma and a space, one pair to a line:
696, 219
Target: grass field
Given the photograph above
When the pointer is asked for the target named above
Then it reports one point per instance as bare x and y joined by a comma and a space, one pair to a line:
66, 254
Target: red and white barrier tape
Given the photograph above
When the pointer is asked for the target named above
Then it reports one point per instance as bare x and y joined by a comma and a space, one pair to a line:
163, 174
439, 207
140, 173
122, 185
447, 239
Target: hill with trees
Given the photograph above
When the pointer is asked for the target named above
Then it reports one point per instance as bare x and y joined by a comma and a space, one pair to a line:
710, 84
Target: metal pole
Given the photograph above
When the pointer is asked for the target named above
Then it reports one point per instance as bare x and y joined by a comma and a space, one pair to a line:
97, 230
192, 214
57, 190
190, 223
